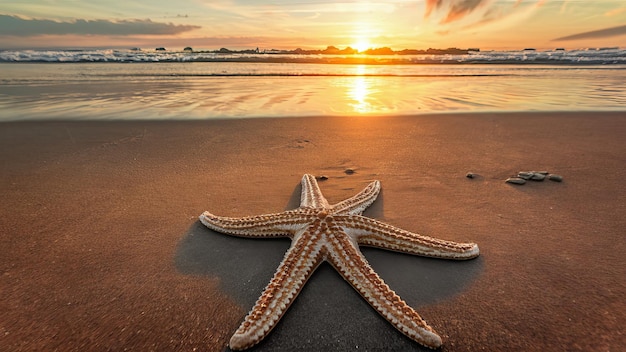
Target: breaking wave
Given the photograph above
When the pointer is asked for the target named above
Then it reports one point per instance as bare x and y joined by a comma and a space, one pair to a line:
595, 56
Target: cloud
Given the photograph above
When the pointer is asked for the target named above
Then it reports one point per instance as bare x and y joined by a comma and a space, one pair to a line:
473, 13
432, 5
456, 9
460, 9
601, 33
17, 26
615, 12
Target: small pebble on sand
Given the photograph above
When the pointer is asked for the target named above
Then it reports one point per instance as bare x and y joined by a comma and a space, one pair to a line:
555, 178
515, 180
537, 177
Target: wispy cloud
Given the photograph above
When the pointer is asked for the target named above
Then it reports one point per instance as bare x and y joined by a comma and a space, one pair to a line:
615, 12
432, 5
461, 15
17, 26
460, 9
455, 9
601, 33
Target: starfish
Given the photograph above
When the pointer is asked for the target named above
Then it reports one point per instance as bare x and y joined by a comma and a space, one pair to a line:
323, 232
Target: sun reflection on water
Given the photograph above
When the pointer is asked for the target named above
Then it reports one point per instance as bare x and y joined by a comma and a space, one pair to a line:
142, 92
359, 91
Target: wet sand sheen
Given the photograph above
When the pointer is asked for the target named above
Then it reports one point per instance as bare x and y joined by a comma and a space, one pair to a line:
189, 91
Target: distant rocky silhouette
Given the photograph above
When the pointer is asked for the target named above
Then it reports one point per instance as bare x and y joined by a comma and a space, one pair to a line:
332, 50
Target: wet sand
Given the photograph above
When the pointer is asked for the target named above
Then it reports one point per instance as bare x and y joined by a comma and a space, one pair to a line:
102, 249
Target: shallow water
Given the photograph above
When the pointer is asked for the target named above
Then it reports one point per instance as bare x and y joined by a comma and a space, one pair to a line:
202, 90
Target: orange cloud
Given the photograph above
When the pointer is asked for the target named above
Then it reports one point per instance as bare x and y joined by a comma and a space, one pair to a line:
431, 5
615, 12
456, 9
460, 9
479, 11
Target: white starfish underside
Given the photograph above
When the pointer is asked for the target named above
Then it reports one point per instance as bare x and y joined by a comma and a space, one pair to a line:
323, 232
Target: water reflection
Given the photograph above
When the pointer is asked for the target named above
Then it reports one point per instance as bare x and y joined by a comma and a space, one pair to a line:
359, 90
138, 91
359, 93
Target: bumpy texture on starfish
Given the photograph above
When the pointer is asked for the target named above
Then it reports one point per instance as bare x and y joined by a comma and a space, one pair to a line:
323, 232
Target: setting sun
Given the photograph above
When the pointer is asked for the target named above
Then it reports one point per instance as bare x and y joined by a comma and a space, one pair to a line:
361, 45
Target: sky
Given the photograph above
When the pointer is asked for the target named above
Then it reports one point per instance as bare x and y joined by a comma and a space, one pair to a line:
284, 24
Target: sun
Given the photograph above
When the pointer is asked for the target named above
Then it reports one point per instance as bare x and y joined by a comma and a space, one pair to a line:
361, 45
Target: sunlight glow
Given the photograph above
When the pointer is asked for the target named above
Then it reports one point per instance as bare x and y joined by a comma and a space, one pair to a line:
361, 45
359, 93
235, 24
362, 33
364, 92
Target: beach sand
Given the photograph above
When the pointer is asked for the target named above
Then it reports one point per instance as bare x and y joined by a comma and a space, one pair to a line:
101, 248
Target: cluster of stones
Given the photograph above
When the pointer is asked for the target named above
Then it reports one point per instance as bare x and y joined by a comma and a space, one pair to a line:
524, 176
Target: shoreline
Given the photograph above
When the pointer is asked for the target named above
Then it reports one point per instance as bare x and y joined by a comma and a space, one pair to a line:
197, 91
102, 248
224, 119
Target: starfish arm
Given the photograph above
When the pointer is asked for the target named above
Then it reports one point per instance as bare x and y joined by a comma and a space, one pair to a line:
355, 269
299, 262
312, 196
357, 204
321, 232
270, 225
369, 232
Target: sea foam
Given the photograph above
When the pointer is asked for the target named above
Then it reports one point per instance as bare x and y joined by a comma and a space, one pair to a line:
593, 56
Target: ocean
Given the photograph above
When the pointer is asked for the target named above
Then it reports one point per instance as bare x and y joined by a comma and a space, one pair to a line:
139, 85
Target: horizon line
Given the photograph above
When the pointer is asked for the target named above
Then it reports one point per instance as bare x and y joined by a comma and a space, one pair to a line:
293, 51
